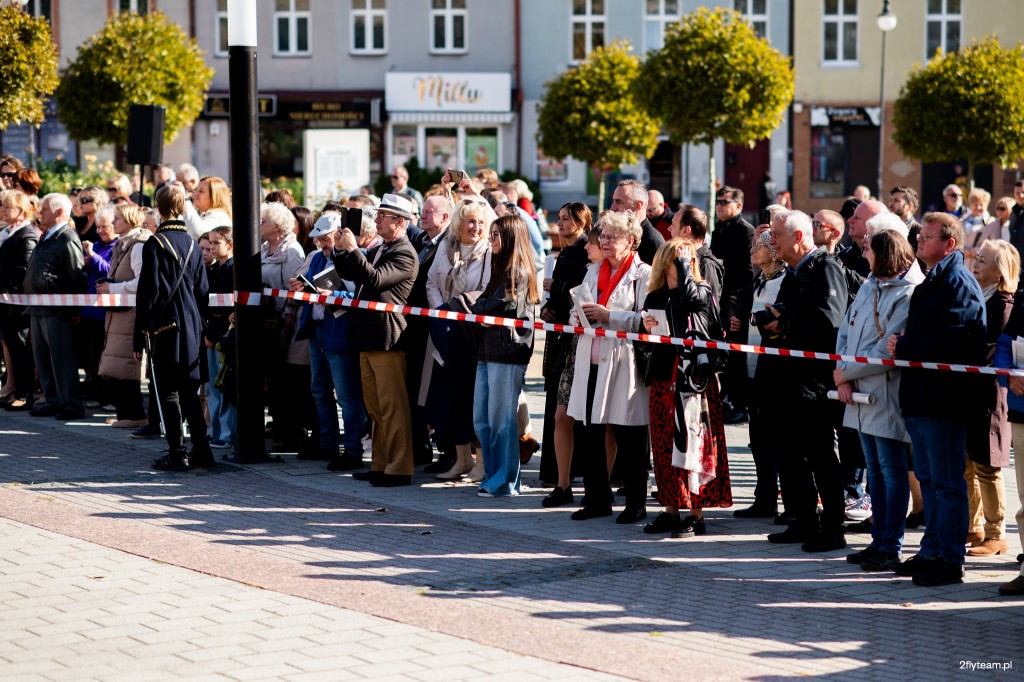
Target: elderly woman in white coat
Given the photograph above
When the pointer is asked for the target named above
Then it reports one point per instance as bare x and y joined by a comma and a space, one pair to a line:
879, 311
462, 265
606, 386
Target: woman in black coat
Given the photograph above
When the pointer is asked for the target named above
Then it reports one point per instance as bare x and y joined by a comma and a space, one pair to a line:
997, 269
574, 223
15, 252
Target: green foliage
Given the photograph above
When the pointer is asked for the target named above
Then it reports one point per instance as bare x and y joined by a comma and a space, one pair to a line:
968, 104
714, 78
589, 112
28, 67
60, 176
134, 59
297, 186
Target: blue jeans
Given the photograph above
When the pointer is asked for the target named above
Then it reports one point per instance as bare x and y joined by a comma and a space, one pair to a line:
495, 410
223, 418
886, 460
940, 459
335, 381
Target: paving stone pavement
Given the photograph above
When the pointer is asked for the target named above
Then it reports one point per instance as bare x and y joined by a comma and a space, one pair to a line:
503, 580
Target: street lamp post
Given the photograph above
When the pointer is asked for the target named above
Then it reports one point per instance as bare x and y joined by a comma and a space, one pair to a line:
245, 206
886, 22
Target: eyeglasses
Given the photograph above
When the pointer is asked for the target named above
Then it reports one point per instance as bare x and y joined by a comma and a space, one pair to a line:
818, 225
725, 202
85, 200
395, 177
925, 237
610, 237
113, 189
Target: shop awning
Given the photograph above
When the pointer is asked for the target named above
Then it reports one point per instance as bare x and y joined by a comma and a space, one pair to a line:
451, 117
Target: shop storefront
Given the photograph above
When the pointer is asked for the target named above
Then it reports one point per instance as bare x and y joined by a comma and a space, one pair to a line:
843, 150
450, 120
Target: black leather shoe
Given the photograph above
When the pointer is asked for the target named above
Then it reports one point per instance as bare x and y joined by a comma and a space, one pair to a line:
664, 523
176, 461
785, 519
558, 497
915, 519
442, 465
859, 527
940, 573
734, 417
367, 475
44, 411
825, 542
691, 526
390, 481
201, 458
345, 463
586, 513
862, 556
790, 536
881, 561
632, 515
756, 512
69, 415
914, 565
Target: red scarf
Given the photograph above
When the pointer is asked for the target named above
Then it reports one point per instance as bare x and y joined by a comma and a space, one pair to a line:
606, 282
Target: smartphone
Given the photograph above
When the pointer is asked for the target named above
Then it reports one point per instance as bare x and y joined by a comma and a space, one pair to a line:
766, 217
353, 220
307, 286
457, 176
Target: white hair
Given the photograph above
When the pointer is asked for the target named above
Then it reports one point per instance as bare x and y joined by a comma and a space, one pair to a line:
123, 184
107, 213
58, 201
522, 188
279, 215
793, 221
887, 221
187, 171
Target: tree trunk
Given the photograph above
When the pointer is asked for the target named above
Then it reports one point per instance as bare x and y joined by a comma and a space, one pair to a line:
711, 186
599, 175
970, 176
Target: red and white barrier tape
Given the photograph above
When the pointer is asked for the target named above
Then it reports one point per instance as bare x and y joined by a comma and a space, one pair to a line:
252, 298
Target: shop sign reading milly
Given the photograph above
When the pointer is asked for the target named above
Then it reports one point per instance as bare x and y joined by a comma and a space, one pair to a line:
448, 92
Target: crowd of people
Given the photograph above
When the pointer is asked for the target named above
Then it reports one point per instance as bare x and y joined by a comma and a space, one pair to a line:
866, 280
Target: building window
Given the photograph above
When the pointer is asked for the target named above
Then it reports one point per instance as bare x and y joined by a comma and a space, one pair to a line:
291, 28
137, 6
481, 149
942, 27
755, 12
369, 27
40, 8
839, 25
660, 13
551, 170
441, 148
448, 22
220, 29
828, 161
587, 28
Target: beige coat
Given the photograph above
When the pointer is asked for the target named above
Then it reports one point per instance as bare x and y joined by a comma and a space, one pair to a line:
118, 359
620, 396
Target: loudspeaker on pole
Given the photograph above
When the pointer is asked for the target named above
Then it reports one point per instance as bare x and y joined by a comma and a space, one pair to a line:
145, 135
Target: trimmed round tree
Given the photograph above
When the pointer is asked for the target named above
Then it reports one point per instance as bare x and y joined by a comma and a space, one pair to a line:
589, 112
134, 59
715, 79
28, 68
964, 105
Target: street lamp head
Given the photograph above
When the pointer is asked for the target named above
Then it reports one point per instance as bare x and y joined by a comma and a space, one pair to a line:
242, 23
886, 20
15, 3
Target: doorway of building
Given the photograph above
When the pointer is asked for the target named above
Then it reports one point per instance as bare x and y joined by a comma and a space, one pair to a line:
744, 169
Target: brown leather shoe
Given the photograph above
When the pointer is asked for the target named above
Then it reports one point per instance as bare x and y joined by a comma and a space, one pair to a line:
974, 539
527, 446
988, 547
1014, 588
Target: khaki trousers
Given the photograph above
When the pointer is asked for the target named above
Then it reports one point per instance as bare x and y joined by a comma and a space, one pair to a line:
986, 499
387, 405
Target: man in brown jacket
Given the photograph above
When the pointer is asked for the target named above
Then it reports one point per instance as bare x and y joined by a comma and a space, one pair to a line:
386, 273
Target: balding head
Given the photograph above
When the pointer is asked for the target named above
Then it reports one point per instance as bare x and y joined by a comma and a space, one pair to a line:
655, 204
865, 211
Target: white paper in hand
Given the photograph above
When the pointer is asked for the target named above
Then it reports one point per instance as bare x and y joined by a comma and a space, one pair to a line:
661, 317
581, 295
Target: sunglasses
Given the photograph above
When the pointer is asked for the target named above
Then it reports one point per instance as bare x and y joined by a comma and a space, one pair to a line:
953, 194
85, 200
113, 189
1002, 208
725, 202
7, 175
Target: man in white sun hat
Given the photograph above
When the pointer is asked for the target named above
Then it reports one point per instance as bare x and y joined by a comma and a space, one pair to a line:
386, 273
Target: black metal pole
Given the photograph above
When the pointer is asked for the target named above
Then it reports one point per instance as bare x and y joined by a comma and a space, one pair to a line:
245, 206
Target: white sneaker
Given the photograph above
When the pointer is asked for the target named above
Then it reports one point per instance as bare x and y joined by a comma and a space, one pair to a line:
859, 510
